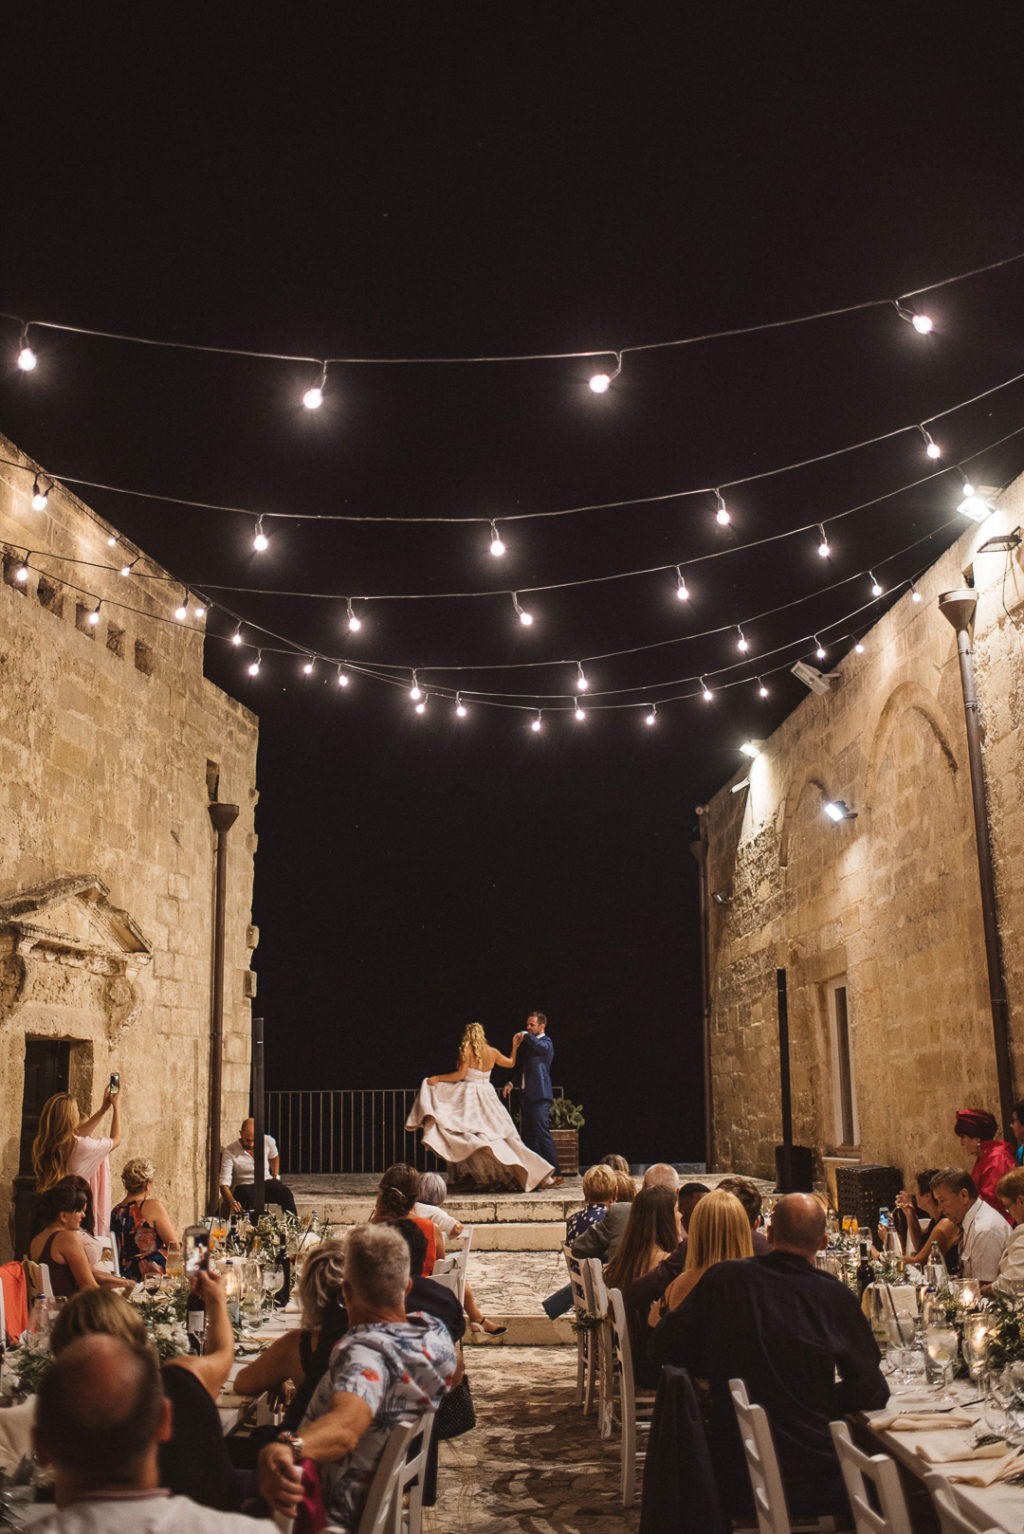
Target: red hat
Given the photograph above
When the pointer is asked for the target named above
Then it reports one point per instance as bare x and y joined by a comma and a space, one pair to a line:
975, 1124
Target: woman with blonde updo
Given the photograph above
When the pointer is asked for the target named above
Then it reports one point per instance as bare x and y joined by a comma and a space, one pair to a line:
464, 1122
141, 1224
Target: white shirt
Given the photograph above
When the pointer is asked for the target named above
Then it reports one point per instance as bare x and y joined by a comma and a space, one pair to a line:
1011, 1263
145, 1512
985, 1238
444, 1221
238, 1166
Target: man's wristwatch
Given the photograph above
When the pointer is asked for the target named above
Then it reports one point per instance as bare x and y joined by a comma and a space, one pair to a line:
293, 1442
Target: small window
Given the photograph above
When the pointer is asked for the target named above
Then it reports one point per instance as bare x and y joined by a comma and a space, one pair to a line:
212, 780
115, 641
844, 1089
143, 658
50, 596
84, 615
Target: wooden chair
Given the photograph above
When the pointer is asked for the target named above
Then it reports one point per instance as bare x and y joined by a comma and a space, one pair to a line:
858, 1469
461, 1256
586, 1338
636, 1407
952, 1519
597, 1304
770, 1504
398, 1476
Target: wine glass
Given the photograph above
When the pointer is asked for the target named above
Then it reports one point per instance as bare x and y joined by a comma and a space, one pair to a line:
940, 1343
273, 1278
174, 1261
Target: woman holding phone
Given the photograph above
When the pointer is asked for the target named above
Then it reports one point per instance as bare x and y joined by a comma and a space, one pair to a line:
65, 1143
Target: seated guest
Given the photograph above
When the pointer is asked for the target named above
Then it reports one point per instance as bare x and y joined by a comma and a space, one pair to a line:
300, 1356
140, 1223
750, 1198
602, 1239
802, 1345
387, 1365
396, 1200
617, 1163
661, 1175
651, 1233
690, 1194
61, 1210
1010, 1280
975, 1129
93, 1245
101, 1417
927, 1232
431, 1192
238, 1172
599, 1192
651, 1286
1017, 1130
983, 1233
719, 1232
193, 1461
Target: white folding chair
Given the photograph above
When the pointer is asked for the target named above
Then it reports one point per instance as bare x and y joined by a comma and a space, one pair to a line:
952, 1519
858, 1469
586, 1338
446, 1273
461, 1256
769, 1493
632, 1402
400, 1472
597, 1304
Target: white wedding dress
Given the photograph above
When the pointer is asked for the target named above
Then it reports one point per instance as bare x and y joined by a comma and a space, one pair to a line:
465, 1123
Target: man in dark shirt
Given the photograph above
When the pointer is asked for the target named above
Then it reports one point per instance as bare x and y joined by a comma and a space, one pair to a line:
787, 1330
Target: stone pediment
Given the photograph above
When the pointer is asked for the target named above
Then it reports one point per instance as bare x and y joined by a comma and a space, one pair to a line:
70, 924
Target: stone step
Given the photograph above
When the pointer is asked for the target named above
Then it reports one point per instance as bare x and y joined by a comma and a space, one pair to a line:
509, 1287
528, 1209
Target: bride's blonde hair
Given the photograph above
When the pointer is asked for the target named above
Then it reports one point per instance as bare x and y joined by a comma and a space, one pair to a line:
474, 1045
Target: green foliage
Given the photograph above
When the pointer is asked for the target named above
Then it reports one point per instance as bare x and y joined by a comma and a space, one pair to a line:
565, 1114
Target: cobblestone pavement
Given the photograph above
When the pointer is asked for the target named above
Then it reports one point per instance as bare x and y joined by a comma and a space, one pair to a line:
514, 1283
533, 1463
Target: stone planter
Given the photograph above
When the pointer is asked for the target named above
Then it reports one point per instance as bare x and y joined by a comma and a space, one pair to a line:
567, 1144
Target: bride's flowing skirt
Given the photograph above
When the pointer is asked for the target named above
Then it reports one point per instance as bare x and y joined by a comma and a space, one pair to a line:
465, 1123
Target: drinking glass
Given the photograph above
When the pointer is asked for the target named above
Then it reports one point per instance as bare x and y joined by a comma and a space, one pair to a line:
976, 1345
175, 1261
940, 1344
273, 1279
997, 1399
218, 1229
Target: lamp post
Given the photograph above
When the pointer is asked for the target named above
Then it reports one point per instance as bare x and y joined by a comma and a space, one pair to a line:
958, 607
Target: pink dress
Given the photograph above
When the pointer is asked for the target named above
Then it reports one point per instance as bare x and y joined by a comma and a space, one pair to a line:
91, 1159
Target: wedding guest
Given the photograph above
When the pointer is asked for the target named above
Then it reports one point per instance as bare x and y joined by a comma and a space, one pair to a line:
599, 1193
101, 1420
651, 1232
1017, 1130
396, 1199
648, 1289
975, 1129
984, 1234
93, 1245
1010, 1279
617, 1163
387, 1364
602, 1239
65, 1143
690, 1194
238, 1172
140, 1223
58, 1244
431, 1194
661, 1175
932, 1233
719, 1231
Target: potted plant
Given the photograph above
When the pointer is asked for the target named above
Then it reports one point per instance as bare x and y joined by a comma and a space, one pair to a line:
565, 1122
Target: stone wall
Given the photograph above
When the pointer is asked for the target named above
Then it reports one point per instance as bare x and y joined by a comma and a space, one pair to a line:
890, 900
112, 744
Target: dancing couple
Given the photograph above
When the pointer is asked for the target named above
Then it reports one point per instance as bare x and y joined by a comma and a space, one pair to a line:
463, 1121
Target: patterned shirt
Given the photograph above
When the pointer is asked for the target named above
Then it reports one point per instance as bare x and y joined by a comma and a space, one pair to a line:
582, 1220
399, 1368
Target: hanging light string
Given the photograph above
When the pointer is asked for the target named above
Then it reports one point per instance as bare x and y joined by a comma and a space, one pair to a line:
916, 426
551, 356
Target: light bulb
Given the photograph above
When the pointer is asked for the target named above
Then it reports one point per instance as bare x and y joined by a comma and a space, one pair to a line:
27, 358
535, 723
525, 618
682, 591
722, 514
762, 690
260, 540
200, 611
460, 708
876, 589
126, 570
21, 573
581, 681
39, 495
858, 648
933, 450
915, 595
706, 691
579, 715
313, 398
421, 707
236, 637
342, 678
823, 548
968, 487
111, 542
820, 651
254, 666
94, 617
922, 324
414, 691
181, 612
652, 717
307, 669
600, 383
497, 547
354, 623
742, 642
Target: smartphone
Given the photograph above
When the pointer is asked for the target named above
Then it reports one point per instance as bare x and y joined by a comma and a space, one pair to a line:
115, 1084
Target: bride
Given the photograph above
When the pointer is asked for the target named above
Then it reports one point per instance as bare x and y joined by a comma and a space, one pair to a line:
464, 1122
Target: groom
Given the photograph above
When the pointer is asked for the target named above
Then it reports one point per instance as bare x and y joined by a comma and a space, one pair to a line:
536, 1053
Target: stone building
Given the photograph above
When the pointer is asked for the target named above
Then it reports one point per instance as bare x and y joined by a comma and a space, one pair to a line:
112, 745
876, 920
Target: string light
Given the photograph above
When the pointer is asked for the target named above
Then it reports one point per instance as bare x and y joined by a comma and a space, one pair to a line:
652, 717
580, 715
236, 638
421, 707
741, 643
342, 678
820, 650
876, 587
921, 323
354, 623
254, 666
915, 595
314, 398
525, 618
111, 542
535, 724
460, 708
722, 513
415, 691
94, 616
497, 547
859, 648
682, 591
126, 570
181, 611
39, 495
762, 690
600, 383
27, 358
931, 447
307, 669
706, 691
581, 682
823, 548
200, 610
260, 540
21, 573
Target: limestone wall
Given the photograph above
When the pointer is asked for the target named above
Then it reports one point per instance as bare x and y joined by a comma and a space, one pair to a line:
111, 745
891, 899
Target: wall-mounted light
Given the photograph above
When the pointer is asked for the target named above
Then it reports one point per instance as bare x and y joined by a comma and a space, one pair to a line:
752, 748
721, 897
838, 809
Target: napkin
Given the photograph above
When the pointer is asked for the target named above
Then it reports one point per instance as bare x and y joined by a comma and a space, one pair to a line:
942, 1448
921, 1422
991, 1471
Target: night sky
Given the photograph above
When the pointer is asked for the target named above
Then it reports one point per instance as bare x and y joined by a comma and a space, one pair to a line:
429, 181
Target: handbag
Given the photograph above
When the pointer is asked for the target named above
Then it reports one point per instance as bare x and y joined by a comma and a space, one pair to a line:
455, 1415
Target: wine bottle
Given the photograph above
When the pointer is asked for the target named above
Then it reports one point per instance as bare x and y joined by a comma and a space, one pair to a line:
865, 1272
281, 1298
195, 1321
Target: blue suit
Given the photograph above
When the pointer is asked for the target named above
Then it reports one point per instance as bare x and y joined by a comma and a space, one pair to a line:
536, 1053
